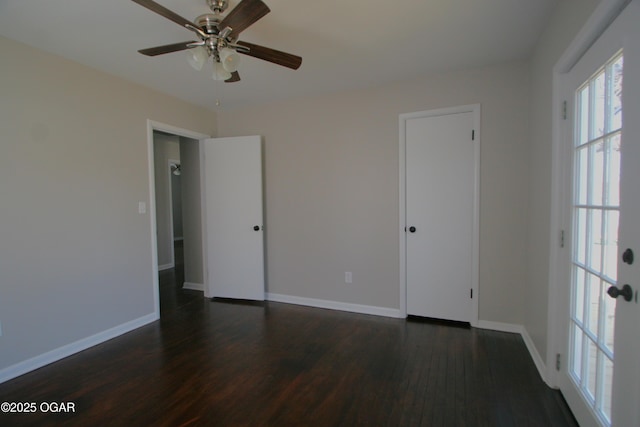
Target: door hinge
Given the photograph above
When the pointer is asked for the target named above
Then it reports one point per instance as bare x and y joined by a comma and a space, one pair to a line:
473, 135
562, 238
471, 293
564, 110
558, 362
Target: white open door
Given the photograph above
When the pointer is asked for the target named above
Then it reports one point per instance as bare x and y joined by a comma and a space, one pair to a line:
601, 379
232, 217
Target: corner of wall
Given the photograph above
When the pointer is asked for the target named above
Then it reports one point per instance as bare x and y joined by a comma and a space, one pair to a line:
564, 23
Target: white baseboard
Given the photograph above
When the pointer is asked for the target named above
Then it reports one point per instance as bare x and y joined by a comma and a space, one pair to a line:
500, 327
537, 360
166, 266
528, 342
193, 286
335, 305
44, 359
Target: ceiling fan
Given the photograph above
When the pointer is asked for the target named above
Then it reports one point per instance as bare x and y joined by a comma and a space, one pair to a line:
218, 38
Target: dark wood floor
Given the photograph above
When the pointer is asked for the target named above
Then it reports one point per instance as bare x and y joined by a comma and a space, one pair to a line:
216, 363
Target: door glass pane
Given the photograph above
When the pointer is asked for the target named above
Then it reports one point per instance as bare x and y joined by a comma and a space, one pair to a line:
593, 304
583, 105
592, 362
582, 168
579, 296
595, 237
613, 170
596, 207
610, 244
597, 173
598, 106
606, 389
615, 110
609, 320
580, 226
576, 365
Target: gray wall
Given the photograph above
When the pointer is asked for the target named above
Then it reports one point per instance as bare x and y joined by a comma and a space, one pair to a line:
191, 212
564, 24
165, 148
331, 165
75, 254
176, 205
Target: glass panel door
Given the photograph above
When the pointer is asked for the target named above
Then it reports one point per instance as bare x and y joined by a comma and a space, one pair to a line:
595, 216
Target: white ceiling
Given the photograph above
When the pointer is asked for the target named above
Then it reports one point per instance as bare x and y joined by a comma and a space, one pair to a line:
344, 44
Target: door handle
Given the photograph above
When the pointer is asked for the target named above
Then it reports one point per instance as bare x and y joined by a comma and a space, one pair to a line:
256, 228
627, 256
626, 292
412, 229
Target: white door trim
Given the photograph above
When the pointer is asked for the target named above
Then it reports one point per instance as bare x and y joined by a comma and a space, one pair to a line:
604, 14
162, 127
475, 109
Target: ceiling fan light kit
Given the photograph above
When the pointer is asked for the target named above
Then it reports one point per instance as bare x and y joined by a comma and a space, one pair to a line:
219, 73
197, 56
229, 59
218, 38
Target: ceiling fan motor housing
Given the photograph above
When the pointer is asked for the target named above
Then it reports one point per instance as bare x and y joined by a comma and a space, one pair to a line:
209, 23
218, 6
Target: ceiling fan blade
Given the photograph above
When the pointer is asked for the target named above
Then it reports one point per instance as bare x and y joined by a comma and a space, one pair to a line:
168, 48
245, 14
235, 77
161, 10
277, 57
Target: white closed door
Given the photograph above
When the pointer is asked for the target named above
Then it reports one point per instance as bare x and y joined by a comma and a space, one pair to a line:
601, 379
440, 182
233, 217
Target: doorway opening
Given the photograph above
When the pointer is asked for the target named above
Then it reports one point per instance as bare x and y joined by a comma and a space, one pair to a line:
176, 215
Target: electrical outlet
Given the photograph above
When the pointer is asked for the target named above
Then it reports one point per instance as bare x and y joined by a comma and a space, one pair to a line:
348, 277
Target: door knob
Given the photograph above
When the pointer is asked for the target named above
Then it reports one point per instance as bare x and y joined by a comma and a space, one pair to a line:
412, 229
256, 228
626, 292
627, 256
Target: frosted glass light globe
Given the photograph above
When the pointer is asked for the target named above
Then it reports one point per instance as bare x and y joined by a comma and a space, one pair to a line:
230, 60
219, 73
197, 56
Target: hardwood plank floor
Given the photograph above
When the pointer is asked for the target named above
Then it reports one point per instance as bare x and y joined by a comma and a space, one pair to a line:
217, 363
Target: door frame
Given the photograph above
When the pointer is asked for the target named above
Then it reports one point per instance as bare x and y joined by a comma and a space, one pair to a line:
162, 127
604, 14
402, 219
